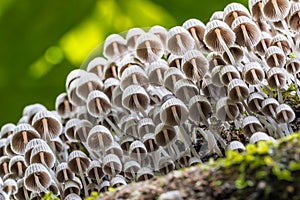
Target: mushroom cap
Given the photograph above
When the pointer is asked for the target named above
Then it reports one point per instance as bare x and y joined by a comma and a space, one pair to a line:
10, 186
276, 78
185, 89
163, 133
255, 7
48, 155
167, 114
63, 106
259, 136
136, 149
217, 15
128, 95
88, 83
109, 161
199, 104
171, 76
114, 46
294, 16
232, 10
156, 72
115, 148
160, 32
82, 158
134, 75
82, 129
29, 147
97, 135
293, 66
95, 64
275, 10
265, 42
22, 134
227, 73
54, 125
238, 85
196, 26
251, 125
285, 114
145, 126
150, 142
236, 146
236, 51
130, 167
70, 128
282, 42
179, 40
210, 37
166, 165
7, 129
149, 48
253, 32
36, 171
13, 164
269, 106
132, 35
95, 166
255, 101
194, 59
253, 72
118, 181
98, 103
71, 187
226, 110
144, 173
74, 75
175, 60
61, 169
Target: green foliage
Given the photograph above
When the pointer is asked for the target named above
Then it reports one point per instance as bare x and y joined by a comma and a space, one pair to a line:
50, 196
93, 196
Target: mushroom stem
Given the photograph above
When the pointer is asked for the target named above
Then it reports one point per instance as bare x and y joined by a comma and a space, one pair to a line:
25, 138
177, 62
67, 107
97, 176
82, 176
42, 157
138, 105
65, 174
179, 42
112, 168
25, 191
224, 46
194, 35
20, 169
159, 76
295, 78
279, 94
99, 71
38, 183
100, 140
5, 167
150, 53
46, 129
115, 48
114, 71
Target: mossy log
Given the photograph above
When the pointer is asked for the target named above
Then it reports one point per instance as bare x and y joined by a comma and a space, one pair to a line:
265, 171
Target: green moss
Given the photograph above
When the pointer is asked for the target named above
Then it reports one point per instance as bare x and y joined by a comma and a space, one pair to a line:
50, 196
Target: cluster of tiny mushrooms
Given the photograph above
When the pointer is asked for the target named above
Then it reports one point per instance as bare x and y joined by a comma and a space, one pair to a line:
140, 109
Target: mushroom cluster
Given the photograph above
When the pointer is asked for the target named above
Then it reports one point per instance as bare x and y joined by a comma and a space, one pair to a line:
159, 100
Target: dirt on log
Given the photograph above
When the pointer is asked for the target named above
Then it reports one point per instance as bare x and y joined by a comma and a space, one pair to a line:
265, 171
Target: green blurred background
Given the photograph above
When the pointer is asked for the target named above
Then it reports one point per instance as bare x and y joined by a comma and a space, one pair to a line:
41, 41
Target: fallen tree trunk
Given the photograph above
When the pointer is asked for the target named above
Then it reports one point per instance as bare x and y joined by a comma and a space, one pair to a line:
265, 171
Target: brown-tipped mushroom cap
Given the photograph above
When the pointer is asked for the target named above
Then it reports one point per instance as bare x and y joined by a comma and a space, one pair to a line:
22, 134
149, 48
96, 66
179, 40
114, 46
233, 11
37, 177
46, 123
275, 10
98, 104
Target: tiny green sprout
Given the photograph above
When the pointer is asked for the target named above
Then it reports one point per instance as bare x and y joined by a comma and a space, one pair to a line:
236, 129
217, 183
111, 189
292, 55
262, 147
281, 174
261, 174
251, 149
268, 161
294, 166
240, 182
50, 196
